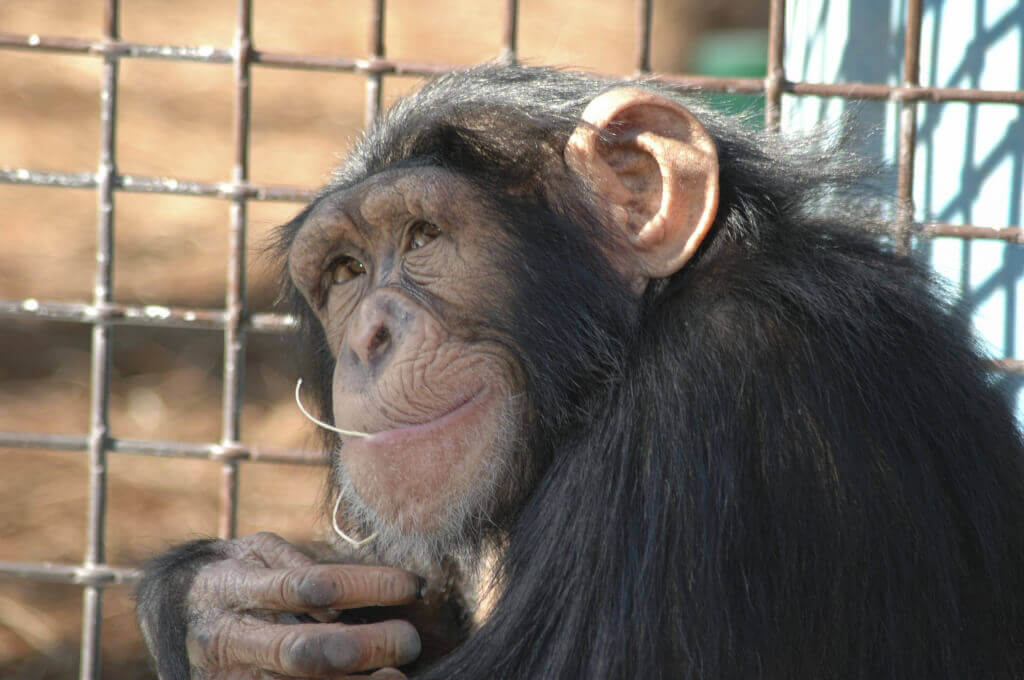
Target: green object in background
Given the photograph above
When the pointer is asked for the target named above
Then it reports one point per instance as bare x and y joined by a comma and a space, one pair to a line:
734, 54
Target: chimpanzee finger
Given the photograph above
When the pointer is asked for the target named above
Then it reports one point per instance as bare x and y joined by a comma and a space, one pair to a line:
320, 649
277, 553
321, 586
382, 674
272, 550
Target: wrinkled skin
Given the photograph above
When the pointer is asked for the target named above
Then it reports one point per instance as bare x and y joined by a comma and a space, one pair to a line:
248, 601
390, 268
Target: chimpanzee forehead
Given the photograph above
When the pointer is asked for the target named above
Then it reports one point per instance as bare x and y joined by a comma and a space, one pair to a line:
377, 201
372, 215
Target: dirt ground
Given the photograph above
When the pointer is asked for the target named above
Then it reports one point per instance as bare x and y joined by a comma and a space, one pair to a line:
175, 119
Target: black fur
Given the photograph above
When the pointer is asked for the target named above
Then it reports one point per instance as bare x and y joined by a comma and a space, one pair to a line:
160, 603
787, 461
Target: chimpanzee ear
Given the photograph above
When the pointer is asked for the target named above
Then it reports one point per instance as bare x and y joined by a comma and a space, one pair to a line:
657, 167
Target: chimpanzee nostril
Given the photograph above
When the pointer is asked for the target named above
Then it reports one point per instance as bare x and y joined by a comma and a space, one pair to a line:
379, 342
376, 329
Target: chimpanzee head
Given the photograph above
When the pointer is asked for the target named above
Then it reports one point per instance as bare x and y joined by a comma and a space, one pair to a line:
472, 279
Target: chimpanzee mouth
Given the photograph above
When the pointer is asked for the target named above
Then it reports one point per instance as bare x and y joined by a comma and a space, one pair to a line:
451, 417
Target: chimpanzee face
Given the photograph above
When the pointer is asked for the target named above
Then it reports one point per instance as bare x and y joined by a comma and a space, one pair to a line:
399, 270
443, 302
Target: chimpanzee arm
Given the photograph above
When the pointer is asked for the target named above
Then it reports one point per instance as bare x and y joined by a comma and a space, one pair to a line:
160, 603
213, 608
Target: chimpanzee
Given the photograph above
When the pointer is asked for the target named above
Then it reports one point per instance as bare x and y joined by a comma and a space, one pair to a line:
649, 394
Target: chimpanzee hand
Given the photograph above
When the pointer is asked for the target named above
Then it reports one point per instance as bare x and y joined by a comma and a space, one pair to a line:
227, 609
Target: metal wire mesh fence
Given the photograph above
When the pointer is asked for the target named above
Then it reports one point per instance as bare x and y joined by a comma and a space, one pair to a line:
235, 321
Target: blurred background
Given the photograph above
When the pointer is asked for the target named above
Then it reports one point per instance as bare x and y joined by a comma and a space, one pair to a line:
175, 120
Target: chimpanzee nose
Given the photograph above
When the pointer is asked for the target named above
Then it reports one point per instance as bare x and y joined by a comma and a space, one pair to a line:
376, 328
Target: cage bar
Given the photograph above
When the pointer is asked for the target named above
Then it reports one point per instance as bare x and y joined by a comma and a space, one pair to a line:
401, 67
75, 574
908, 126
915, 93
164, 449
384, 66
645, 12
1009, 234
235, 298
374, 77
92, 595
510, 37
775, 77
153, 316
140, 184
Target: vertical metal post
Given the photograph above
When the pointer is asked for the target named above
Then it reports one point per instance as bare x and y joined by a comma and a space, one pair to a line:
776, 75
908, 125
235, 303
373, 79
509, 50
643, 36
102, 332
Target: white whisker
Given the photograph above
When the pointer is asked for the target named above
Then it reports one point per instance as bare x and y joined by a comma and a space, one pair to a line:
344, 433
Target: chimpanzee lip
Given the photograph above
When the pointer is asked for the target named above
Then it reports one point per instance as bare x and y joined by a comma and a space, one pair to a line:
440, 421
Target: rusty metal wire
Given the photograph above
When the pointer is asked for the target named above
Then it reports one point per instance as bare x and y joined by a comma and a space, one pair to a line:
102, 332
103, 314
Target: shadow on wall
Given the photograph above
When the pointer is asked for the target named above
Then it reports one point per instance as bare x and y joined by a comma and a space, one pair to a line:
969, 166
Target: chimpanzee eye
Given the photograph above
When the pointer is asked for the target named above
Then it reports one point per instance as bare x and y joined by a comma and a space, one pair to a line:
422, 233
346, 268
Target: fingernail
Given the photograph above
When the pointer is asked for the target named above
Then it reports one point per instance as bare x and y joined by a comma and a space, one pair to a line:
409, 646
